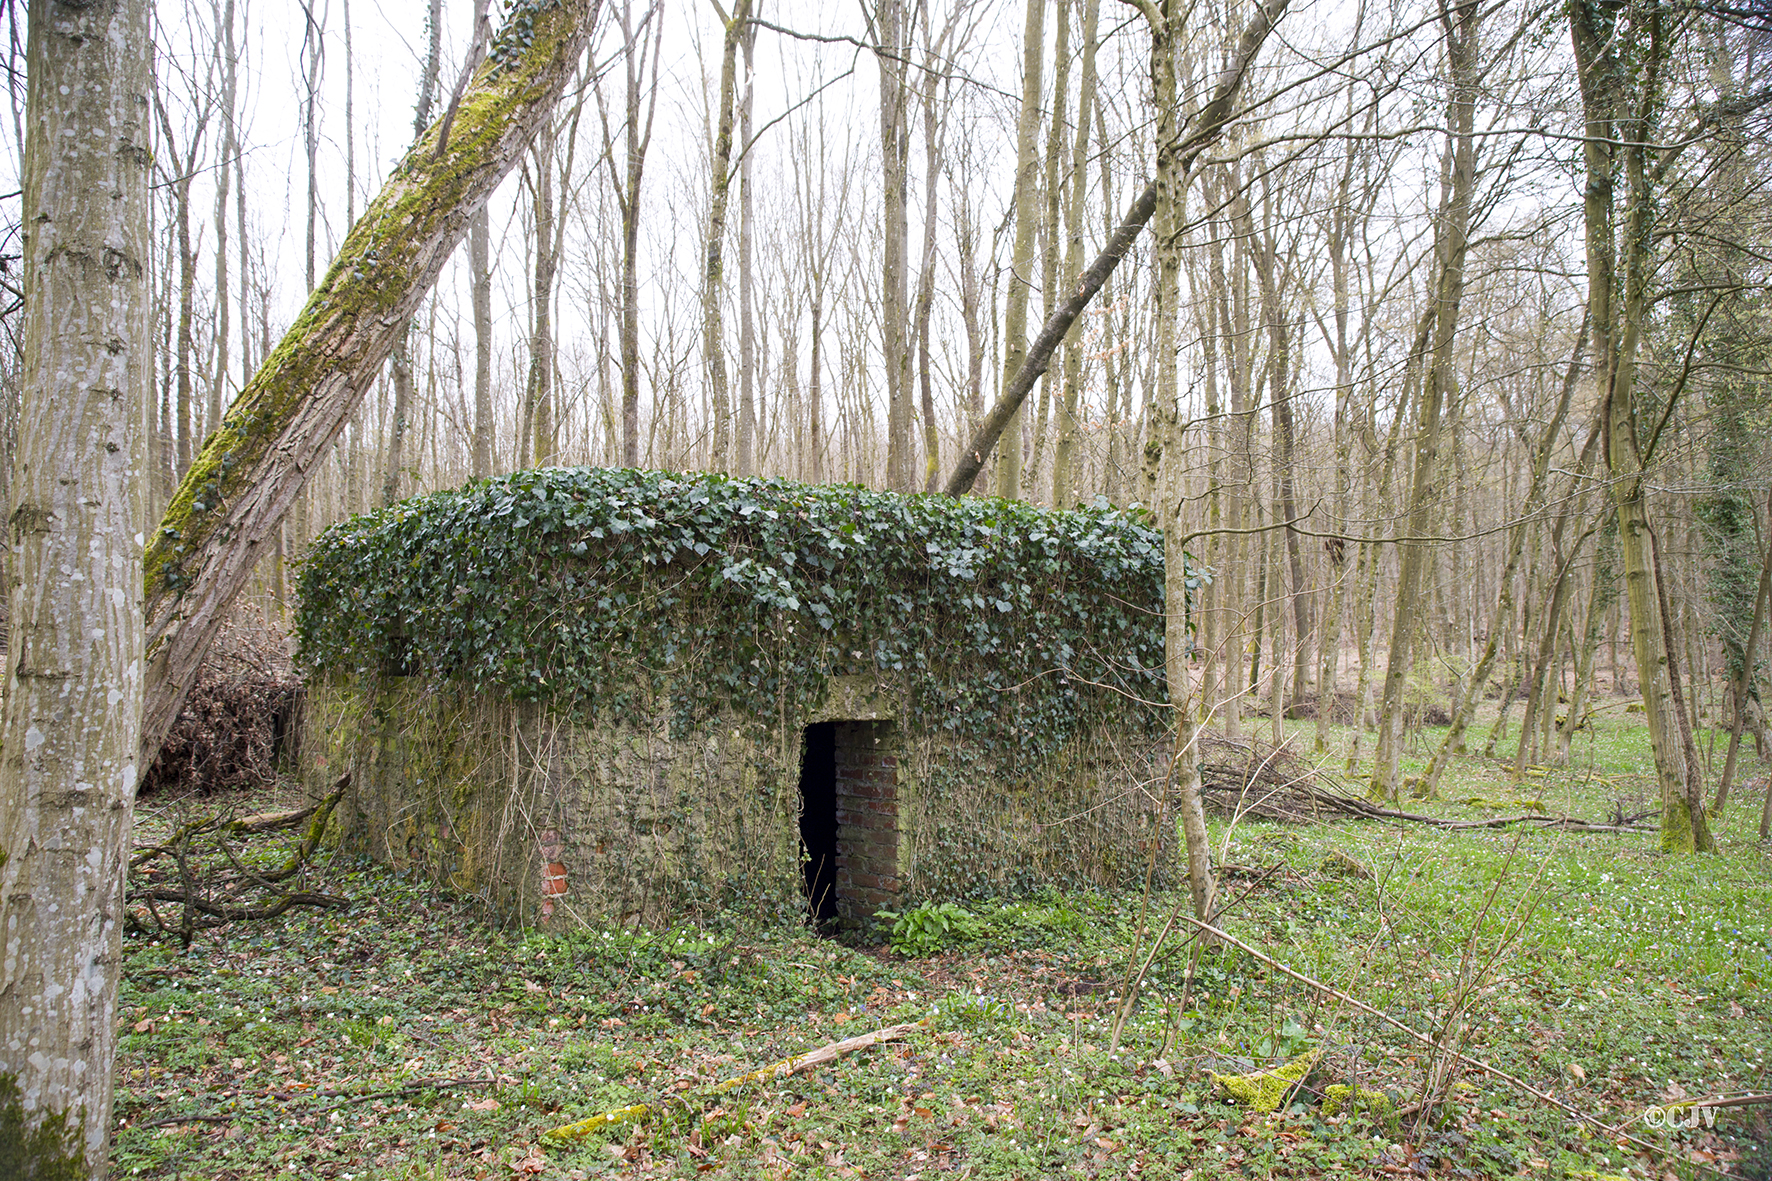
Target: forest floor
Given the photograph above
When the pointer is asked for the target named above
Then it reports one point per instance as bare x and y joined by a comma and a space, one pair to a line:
405, 1038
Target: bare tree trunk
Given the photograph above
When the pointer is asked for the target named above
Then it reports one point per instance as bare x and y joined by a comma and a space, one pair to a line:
1168, 28
713, 329
539, 393
1462, 31
350, 120
313, 53
892, 30
228, 166
933, 130
244, 255
1052, 198
747, 332
1064, 455
1367, 565
1021, 261
1619, 136
480, 285
427, 90
625, 183
69, 731
237, 492
189, 424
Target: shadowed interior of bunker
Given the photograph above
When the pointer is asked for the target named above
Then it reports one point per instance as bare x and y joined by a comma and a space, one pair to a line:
818, 821
849, 820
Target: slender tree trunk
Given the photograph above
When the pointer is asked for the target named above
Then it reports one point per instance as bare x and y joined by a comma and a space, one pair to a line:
189, 424
1052, 193
69, 733
1064, 456
892, 30
933, 127
1601, 592
1021, 260
1167, 36
402, 363
1371, 558
713, 325
747, 338
1619, 135
480, 290
243, 255
626, 184
313, 52
227, 168
540, 385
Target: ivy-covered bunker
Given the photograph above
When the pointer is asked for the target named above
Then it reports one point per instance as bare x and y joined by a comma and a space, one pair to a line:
595, 694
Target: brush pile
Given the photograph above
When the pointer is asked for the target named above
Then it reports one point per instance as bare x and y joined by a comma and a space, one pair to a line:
1251, 779
234, 723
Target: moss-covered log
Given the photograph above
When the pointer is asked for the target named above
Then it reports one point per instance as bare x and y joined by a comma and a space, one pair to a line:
247, 477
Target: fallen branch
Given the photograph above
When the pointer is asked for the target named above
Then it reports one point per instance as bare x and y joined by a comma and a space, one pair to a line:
350, 1097
245, 825
188, 1119
575, 1132
193, 888
243, 913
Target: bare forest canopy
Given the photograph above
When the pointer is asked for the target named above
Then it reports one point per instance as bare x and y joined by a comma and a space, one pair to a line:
813, 243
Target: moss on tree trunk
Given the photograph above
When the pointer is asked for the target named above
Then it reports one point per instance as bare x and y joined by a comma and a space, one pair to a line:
236, 493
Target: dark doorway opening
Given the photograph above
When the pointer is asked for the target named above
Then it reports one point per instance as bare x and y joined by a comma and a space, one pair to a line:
818, 822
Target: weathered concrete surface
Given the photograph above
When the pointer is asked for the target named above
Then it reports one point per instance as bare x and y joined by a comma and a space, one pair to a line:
559, 823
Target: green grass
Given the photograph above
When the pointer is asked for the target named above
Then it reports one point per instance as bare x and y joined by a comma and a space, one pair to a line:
408, 1039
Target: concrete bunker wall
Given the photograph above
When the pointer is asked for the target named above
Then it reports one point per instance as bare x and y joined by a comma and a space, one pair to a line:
556, 822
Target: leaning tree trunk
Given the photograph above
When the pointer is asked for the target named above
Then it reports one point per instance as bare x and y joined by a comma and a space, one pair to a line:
1204, 129
67, 776
277, 431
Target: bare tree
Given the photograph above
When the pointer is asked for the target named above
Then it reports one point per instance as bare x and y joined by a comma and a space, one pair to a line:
713, 273
72, 711
402, 360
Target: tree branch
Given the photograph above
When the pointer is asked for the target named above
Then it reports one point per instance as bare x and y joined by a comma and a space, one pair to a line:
1209, 125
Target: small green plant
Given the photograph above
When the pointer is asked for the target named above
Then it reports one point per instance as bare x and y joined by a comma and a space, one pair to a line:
925, 930
969, 1011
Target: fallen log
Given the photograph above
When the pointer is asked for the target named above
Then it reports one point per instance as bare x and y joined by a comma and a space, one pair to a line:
575, 1132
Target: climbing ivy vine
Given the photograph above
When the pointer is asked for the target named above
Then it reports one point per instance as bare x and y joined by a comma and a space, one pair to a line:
607, 591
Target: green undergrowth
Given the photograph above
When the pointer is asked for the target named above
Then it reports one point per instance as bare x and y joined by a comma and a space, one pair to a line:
408, 1039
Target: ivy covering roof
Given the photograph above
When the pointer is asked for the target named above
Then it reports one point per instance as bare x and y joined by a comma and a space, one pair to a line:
612, 590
